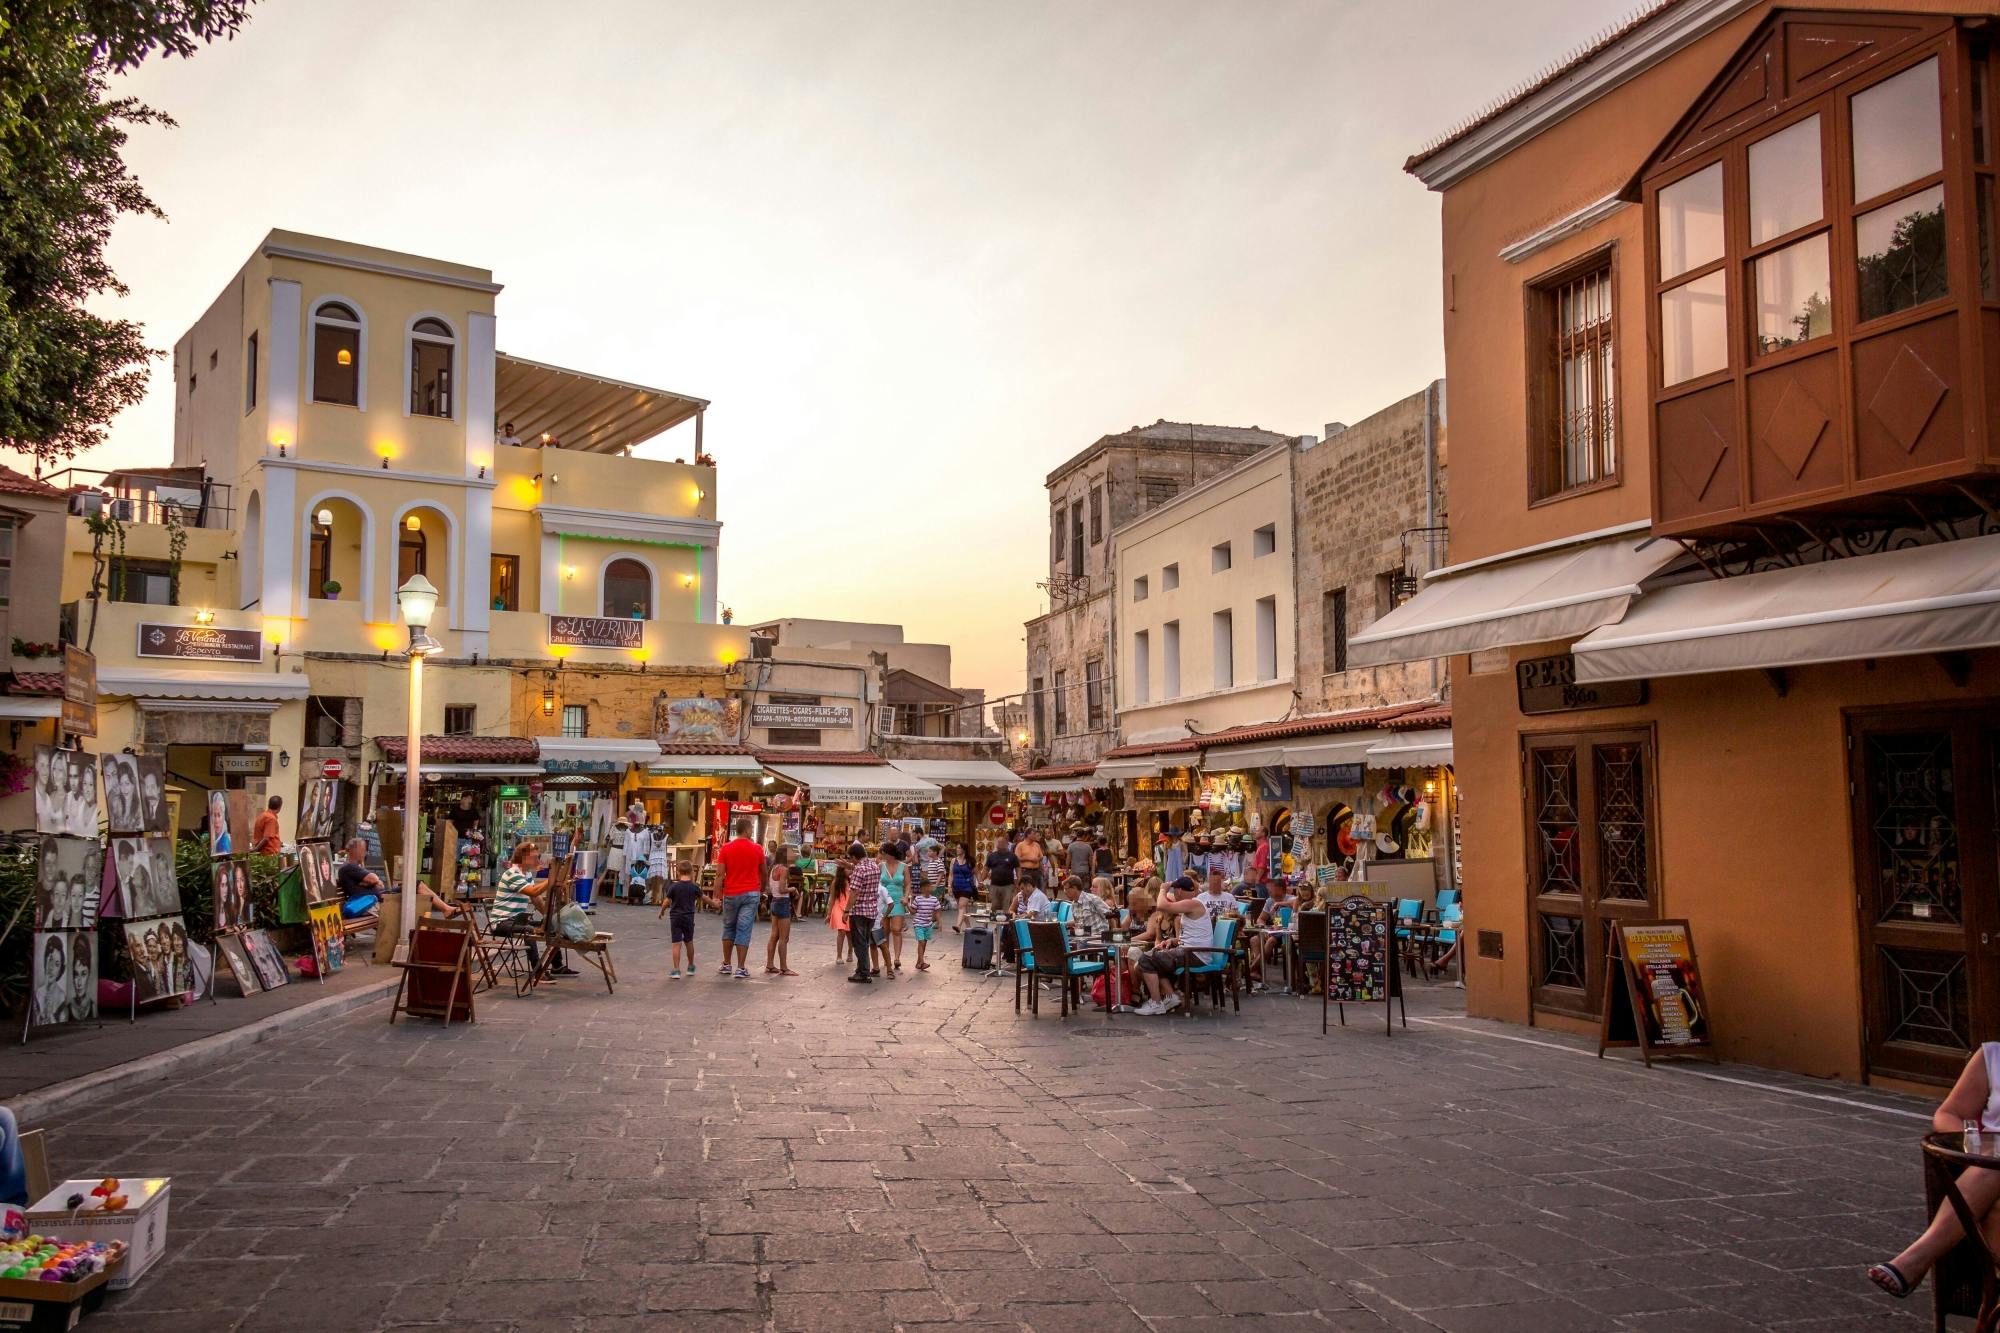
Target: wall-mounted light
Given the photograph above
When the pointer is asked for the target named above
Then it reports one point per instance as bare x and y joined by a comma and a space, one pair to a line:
699, 495
413, 523
204, 617
324, 518
547, 438
549, 696
482, 472
281, 448
284, 759
554, 478
385, 462
687, 580
344, 357
569, 571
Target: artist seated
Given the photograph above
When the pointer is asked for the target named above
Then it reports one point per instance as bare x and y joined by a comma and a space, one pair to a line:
361, 889
519, 908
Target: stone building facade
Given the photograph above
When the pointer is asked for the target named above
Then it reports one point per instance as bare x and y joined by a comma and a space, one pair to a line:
1070, 703
1369, 511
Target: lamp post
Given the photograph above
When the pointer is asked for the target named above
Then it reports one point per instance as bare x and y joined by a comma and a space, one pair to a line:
418, 600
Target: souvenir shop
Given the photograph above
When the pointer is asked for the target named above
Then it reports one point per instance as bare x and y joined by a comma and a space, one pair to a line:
487, 805
1386, 815
837, 804
1049, 800
1153, 798
690, 798
974, 810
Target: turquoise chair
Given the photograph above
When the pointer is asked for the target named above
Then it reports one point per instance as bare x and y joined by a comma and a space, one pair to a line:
1063, 910
1447, 899
1024, 958
1066, 963
1284, 918
1217, 969
1408, 912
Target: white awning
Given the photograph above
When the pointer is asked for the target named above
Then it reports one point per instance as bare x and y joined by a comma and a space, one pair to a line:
1925, 599
560, 753
1412, 749
1062, 786
171, 683
1124, 770
1535, 598
1349, 749
26, 707
859, 782
472, 770
959, 772
1227, 757
582, 411
672, 765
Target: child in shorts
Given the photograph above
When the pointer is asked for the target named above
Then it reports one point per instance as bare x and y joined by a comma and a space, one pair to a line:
681, 896
924, 909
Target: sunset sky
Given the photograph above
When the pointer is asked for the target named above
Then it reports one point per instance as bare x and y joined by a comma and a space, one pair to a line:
915, 252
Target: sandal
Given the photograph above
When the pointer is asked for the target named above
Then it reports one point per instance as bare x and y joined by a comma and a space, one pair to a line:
770, 971
1890, 1279
923, 967
786, 972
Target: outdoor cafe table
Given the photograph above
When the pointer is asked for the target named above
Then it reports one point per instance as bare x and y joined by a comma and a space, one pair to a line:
1941, 1153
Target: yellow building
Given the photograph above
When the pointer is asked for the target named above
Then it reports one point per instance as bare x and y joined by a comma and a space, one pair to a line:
343, 419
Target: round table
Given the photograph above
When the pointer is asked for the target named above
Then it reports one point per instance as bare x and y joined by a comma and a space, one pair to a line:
1942, 1152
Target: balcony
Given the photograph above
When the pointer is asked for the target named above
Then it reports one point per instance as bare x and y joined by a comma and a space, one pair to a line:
525, 634
153, 496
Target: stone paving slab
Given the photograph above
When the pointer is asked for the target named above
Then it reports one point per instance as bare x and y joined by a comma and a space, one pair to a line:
808, 1154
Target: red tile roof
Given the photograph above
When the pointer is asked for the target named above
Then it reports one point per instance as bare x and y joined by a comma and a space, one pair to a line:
1320, 725
1058, 772
703, 747
1437, 715
36, 682
1555, 72
20, 483
465, 749
817, 757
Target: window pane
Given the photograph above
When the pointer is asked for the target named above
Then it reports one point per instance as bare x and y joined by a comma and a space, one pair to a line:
1981, 95
1694, 336
1899, 249
1793, 301
1896, 134
1691, 222
336, 364
1557, 823
430, 379
1988, 288
1785, 189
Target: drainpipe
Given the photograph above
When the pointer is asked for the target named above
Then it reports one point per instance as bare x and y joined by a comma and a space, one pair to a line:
1432, 393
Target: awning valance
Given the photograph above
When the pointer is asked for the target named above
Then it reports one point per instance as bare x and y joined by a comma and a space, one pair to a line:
1124, 770
471, 770
670, 765
169, 683
23, 708
577, 754
859, 782
1231, 757
1059, 786
1534, 598
1924, 599
1412, 749
1349, 749
983, 773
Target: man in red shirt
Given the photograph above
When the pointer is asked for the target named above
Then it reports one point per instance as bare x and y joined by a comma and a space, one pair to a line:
264, 837
742, 863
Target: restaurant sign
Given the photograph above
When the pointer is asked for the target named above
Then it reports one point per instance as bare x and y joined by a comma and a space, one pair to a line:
801, 715
200, 641
596, 632
1174, 786
1549, 685
79, 697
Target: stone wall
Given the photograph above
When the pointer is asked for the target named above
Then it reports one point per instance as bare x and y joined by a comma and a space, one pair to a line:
620, 700
1356, 494
1064, 641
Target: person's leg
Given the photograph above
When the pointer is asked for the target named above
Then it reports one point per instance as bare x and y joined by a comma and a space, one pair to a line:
771, 947
1980, 1188
781, 931
858, 930
728, 933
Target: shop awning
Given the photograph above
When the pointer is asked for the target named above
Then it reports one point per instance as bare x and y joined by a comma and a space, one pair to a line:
1412, 749
168, 683
982, 773
1527, 597
1124, 770
1230, 757
859, 782
21, 708
1059, 786
562, 754
472, 770
705, 765
1352, 748
1925, 599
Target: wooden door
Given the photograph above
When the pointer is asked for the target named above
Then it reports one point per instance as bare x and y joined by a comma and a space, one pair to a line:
1593, 855
1924, 789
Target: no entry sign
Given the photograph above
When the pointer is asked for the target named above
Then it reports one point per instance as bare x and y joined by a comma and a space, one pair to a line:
997, 816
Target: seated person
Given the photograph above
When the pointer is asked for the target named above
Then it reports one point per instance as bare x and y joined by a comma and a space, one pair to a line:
1030, 901
519, 907
1090, 914
361, 889
1197, 932
1975, 1098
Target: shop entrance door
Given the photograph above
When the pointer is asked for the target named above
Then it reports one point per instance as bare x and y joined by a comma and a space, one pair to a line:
1924, 787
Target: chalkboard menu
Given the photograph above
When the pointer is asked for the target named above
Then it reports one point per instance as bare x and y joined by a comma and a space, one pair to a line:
1357, 969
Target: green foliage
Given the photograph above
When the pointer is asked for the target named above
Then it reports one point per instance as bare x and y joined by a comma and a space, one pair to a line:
64, 372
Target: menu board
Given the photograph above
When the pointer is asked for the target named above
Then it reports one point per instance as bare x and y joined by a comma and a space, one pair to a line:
1357, 969
1660, 1006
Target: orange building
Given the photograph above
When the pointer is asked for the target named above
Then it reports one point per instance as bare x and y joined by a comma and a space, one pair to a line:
1722, 330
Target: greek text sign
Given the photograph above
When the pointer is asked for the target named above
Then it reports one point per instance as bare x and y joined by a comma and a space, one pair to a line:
801, 715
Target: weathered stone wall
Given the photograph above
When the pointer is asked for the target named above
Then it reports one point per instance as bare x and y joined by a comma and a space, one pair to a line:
1063, 641
1356, 495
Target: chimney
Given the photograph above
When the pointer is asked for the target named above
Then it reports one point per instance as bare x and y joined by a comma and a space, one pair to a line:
1334, 428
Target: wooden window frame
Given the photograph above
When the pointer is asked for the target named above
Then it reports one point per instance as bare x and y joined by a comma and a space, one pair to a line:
1335, 631
512, 565
467, 714
1541, 298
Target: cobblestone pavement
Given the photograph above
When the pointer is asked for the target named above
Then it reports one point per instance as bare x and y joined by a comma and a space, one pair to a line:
806, 1154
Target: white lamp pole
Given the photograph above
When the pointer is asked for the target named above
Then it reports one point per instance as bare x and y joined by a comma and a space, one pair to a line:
418, 600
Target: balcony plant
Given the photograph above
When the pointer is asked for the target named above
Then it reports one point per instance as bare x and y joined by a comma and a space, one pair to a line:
31, 649
331, 589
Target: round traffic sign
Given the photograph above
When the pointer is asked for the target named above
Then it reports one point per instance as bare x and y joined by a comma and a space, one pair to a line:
997, 816
332, 768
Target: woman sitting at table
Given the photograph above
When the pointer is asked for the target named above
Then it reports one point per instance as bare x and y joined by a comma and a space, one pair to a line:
1974, 1098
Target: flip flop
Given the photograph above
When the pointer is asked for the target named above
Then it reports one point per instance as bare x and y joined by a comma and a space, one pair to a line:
786, 972
1890, 1279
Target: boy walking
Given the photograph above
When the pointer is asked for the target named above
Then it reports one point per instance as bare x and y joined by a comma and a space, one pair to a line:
924, 909
681, 895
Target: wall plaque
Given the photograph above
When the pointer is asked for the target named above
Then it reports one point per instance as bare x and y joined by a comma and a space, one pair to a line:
1549, 685
200, 641
597, 632
801, 715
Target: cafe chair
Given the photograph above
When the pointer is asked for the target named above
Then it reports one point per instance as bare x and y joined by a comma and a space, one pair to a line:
1309, 951
1066, 963
1219, 968
1024, 961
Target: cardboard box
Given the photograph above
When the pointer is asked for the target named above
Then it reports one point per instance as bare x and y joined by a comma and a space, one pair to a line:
141, 1224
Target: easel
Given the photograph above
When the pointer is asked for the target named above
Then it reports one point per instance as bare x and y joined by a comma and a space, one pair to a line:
596, 950
437, 972
1390, 982
1628, 1018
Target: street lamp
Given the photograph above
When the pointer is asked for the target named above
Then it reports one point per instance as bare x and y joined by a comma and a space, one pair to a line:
418, 600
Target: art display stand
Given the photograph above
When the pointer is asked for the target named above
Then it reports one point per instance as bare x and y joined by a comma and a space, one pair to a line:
1653, 994
1361, 962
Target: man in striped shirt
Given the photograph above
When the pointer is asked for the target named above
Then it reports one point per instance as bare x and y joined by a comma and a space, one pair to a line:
518, 904
864, 890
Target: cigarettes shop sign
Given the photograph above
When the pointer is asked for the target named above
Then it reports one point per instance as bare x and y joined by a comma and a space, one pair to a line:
204, 642
1549, 685
596, 632
801, 715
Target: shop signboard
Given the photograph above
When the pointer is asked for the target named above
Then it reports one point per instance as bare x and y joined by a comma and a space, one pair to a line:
582, 766
1274, 783
240, 764
597, 632
827, 716
1333, 775
1176, 785
705, 721
1660, 1007
79, 697
1361, 958
205, 642
1549, 685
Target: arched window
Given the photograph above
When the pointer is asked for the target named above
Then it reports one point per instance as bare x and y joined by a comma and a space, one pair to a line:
628, 590
431, 345
336, 352
410, 554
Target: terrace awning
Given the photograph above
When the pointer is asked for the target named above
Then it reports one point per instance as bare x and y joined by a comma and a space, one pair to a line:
1412, 749
593, 413
859, 782
981, 773
670, 765
1124, 770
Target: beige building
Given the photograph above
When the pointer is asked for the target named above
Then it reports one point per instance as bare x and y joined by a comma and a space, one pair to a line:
31, 543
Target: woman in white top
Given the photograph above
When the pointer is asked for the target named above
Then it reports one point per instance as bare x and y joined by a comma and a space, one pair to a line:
777, 949
1975, 1097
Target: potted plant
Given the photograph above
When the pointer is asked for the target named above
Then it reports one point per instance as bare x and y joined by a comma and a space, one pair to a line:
331, 588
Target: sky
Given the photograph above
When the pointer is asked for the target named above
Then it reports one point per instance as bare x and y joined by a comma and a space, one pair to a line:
915, 253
